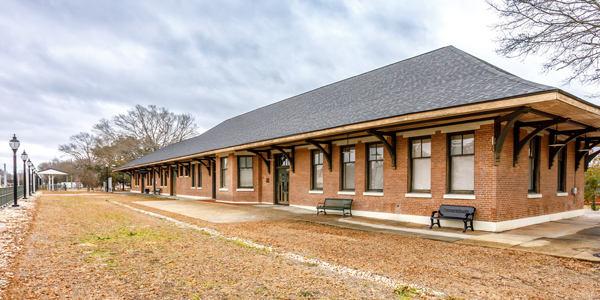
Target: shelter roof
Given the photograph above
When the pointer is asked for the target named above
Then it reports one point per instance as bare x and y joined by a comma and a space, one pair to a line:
440, 79
52, 172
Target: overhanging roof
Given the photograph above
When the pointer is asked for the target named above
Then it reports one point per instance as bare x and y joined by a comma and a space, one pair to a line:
52, 172
441, 79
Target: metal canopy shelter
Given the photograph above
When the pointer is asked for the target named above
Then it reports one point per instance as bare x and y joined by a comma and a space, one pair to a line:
51, 173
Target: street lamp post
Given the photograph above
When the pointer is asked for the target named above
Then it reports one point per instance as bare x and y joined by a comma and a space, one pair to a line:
106, 165
30, 175
14, 145
24, 157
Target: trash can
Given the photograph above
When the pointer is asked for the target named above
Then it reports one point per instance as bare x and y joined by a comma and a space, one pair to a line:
147, 191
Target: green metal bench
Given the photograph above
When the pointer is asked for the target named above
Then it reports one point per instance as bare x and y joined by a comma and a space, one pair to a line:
157, 191
336, 204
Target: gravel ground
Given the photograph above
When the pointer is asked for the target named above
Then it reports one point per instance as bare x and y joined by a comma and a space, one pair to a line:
87, 247
459, 271
14, 225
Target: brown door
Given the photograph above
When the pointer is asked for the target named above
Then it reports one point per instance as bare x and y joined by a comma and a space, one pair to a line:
282, 177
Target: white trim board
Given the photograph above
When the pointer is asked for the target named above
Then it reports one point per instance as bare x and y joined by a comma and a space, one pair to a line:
478, 225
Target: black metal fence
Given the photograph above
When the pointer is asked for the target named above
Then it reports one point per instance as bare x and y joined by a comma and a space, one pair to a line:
6, 194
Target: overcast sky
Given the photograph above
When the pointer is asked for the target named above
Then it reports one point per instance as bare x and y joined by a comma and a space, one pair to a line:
66, 64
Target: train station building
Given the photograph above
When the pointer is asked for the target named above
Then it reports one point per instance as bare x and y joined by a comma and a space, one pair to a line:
441, 128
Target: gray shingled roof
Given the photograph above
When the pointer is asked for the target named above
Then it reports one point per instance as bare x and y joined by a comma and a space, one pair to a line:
443, 78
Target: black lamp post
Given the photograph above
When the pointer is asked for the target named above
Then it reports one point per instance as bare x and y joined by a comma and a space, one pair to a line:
14, 145
106, 165
29, 174
24, 157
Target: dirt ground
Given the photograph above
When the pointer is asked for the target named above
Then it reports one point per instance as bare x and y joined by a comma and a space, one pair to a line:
86, 247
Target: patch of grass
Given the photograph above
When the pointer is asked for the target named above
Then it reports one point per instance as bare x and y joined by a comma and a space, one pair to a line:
305, 294
406, 291
261, 290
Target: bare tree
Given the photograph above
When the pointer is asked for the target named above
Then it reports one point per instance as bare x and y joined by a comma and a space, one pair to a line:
152, 127
81, 148
568, 32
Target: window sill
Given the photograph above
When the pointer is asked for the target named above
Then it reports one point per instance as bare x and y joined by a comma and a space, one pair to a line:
245, 190
417, 195
533, 196
460, 196
378, 194
315, 192
562, 194
350, 193
223, 189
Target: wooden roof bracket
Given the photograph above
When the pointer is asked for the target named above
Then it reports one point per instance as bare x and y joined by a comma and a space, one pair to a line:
207, 166
588, 159
500, 133
287, 155
264, 159
539, 126
390, 146
573, 134
325, 153
589, 143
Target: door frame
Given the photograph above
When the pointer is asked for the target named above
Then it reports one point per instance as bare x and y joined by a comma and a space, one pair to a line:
276, 179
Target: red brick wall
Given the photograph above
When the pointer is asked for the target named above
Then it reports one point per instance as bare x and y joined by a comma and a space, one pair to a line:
500, 191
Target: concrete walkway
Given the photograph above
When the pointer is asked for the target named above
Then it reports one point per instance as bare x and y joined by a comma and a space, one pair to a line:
572, 238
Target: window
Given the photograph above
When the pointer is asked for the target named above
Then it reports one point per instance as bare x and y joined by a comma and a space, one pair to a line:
161, 175
187, 170
223, 172
245, 172
180, 171
317, 170
562, 170
534, 164
375, 168
137, 179
462, 163
199, 176
348, 168
420, 165
193, 175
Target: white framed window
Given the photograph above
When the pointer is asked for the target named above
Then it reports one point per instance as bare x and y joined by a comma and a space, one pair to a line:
420, 165
375, 168
348, 168
245, 176
462, 163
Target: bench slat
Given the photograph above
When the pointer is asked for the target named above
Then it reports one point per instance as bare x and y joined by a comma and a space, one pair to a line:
454, 212
336, 204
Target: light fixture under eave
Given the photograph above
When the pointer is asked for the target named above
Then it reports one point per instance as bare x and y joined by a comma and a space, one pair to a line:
347, 148
556, 142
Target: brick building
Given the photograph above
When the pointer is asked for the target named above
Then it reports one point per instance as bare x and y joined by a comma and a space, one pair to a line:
443, 127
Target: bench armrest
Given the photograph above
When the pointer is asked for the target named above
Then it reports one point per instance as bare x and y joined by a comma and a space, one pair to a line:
469, 214
321, 204
434, 212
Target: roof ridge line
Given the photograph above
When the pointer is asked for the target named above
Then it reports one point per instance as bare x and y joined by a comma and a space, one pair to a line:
341, 80
501, 72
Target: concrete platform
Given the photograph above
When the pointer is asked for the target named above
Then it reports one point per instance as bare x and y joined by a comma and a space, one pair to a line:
573, 238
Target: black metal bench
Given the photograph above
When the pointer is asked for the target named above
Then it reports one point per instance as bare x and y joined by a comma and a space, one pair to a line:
336, 204
454, 213
157, 191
